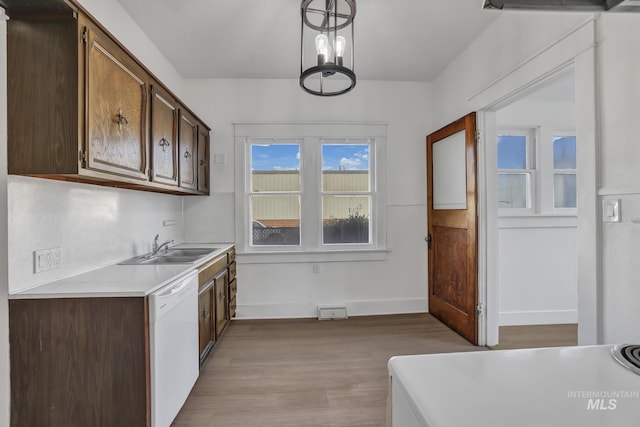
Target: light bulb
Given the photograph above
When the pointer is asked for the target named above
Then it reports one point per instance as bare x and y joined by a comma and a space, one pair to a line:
340, 45
322, 48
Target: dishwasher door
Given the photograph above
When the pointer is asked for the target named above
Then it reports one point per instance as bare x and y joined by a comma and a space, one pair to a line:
173, 324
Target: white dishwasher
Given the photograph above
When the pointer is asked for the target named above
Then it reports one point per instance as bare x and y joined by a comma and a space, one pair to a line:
173, 324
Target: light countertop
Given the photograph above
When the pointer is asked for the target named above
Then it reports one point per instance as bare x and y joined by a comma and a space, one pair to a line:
120, 280
532, 387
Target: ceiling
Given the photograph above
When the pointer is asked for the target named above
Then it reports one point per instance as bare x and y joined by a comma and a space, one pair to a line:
401, 40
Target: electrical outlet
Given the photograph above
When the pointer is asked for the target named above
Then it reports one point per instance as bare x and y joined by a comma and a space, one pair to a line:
46, 259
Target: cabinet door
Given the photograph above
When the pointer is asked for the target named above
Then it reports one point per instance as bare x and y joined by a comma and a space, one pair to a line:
116, 109
188, 151
205, 320
222, 313
203, 159
164, 137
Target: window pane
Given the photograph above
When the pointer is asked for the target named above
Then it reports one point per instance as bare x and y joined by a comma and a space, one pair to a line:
513, 190
512, 152
564, 152
275, 220
345, 219
564, 190
275, 167
345, 167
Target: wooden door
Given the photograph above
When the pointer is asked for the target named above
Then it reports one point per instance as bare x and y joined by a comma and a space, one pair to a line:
205, 320
164, 137
188, 151
203, 159
452, 225
116, 108
222, 310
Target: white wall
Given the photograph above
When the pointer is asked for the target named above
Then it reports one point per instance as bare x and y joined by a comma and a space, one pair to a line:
619, 90
501, 49
94, 226
398, 284
537, 253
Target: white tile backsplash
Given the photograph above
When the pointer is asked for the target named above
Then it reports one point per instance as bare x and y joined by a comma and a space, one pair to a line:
93, 225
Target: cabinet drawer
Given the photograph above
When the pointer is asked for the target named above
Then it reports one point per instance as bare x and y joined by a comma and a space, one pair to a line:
233, 289
232, 271
232, 307
232, 255
210, 270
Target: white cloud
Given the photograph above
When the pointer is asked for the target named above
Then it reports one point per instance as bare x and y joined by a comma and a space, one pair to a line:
349, 164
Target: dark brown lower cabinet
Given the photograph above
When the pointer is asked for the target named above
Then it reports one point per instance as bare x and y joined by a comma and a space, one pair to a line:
222, 301
217, 299
206, 313
79, 362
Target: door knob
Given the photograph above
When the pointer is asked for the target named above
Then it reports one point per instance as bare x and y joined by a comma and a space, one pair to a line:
429, 240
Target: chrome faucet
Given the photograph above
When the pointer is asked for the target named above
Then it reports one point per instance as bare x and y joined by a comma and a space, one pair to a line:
157, 248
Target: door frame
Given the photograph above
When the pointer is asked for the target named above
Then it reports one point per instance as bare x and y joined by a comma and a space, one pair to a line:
575, 50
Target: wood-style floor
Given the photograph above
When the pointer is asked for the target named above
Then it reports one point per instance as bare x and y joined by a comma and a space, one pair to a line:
305, 372
533, 336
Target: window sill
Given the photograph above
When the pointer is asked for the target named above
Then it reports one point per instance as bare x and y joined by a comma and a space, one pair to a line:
282, 257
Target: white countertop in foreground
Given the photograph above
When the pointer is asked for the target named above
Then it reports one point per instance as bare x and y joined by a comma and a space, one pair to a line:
565, 386
120, 280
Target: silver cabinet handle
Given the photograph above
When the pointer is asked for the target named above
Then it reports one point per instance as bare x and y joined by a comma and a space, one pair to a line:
164, 143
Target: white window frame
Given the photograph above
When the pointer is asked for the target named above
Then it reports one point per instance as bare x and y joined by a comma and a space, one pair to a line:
540, 166
311, 248
372, 193
250, 193
565, 211
530, 133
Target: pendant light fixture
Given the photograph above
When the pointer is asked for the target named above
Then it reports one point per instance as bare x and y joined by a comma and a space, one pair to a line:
326, 35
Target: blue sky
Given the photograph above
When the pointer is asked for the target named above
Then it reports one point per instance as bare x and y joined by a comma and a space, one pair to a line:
287, 157
512, 152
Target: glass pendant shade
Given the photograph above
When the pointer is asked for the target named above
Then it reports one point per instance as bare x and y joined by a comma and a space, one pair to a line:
327, 35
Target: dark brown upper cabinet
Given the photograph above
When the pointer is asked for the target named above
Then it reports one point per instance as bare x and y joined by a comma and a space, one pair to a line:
116, 109
164, 137
203, 159
188, 151
82, 108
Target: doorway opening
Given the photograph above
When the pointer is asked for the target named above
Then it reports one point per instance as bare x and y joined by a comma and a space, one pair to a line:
533, 141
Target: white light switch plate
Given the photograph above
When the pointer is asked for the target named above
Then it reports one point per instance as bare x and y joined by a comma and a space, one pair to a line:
611, 210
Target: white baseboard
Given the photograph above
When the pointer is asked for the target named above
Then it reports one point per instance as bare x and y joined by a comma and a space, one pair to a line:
546, 317
310, 309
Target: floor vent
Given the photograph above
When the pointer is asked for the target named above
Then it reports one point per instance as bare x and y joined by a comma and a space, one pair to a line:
332, 313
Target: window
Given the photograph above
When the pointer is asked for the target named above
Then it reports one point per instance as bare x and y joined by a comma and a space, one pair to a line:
564, 171
301, 192
536, 171
346, 191
275, 192
515, 169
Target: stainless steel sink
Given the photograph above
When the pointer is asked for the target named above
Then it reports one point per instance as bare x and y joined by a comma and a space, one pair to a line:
187, 252
172, 256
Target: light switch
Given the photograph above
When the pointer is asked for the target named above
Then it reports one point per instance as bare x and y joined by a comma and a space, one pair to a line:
611, 210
